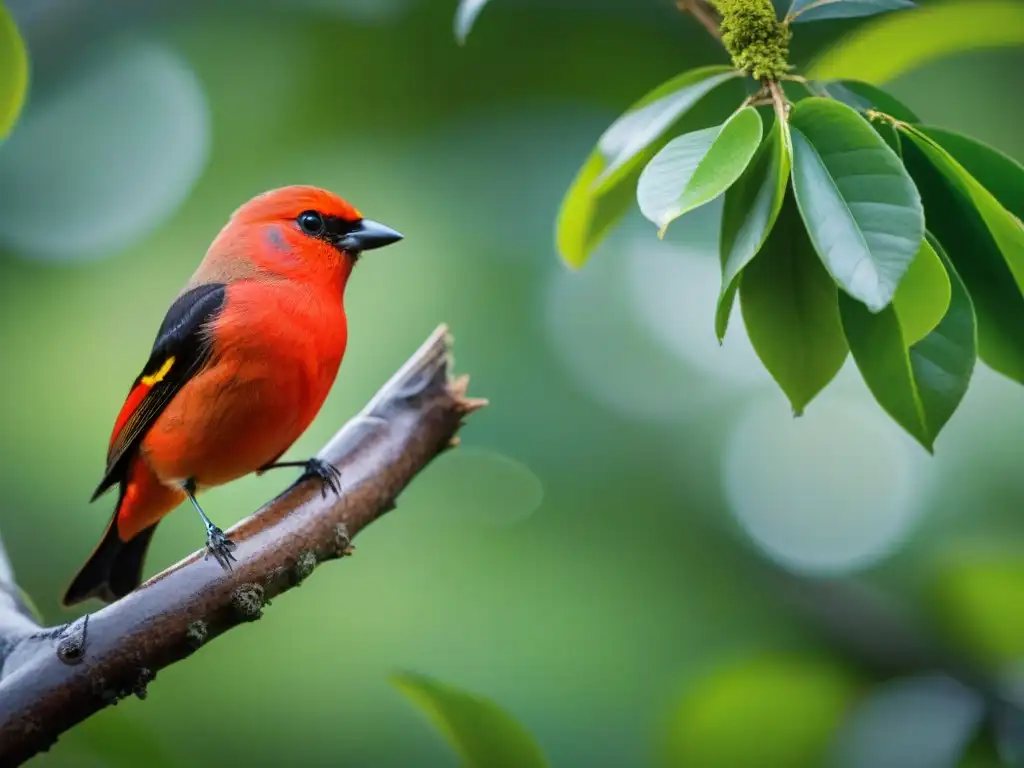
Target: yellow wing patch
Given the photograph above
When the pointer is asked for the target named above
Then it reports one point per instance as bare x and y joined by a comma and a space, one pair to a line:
155, 378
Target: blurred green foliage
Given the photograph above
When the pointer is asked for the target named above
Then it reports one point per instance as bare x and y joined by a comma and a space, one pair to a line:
482, 733
775, 710
13, 72
896, 44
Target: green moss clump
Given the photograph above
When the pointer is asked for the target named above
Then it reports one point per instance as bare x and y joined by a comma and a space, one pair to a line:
755, 38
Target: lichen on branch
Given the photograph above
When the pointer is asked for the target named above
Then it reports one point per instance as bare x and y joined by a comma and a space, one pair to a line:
755, 38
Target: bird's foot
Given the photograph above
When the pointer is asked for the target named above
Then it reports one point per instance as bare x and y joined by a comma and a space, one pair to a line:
328, 474
220, 546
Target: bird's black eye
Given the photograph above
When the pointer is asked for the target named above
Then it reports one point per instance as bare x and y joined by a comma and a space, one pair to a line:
312, 223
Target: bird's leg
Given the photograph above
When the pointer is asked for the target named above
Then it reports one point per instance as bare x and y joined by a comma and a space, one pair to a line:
327, 473
217, 544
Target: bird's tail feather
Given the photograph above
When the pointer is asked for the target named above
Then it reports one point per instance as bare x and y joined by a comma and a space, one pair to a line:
114, 568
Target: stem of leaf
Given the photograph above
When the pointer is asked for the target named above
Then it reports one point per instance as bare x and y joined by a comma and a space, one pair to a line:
779, 101
819, 89
754, 98
814, 4
760, 99
874, 114
770, 91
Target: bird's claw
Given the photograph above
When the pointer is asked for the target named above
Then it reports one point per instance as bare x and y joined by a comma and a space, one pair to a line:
220, 546
327, 473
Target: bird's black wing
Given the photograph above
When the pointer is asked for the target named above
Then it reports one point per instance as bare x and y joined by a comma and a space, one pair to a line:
180, 349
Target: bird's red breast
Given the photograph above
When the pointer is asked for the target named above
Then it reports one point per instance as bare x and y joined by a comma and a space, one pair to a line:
274, 332
243, 360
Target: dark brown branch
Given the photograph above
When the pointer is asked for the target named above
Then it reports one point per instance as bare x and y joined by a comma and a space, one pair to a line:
53, 678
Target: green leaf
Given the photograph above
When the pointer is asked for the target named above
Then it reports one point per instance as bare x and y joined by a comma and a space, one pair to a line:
483, 734
796, 91
584, 218
921, 385
888, 133
694, 169
13, 72
1001, 175
861, 208
589, 212
887, 47
751, 207
817, 10
924, 294
865, 97
943, 361
651, 117
790, 308
962, 227
465, 17
1005, 228
732, 718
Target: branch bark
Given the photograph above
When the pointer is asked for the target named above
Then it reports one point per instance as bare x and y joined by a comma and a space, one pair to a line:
52, 678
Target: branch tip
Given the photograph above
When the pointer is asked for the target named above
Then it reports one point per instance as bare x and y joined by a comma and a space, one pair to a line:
469, 405
458, 386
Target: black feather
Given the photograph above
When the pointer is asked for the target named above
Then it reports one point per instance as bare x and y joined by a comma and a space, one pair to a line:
114, 568
181, 336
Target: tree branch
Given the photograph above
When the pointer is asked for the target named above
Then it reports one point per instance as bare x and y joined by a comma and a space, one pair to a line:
53, 678
16, 621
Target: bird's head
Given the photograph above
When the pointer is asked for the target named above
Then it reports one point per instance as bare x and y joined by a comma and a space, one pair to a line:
297, 232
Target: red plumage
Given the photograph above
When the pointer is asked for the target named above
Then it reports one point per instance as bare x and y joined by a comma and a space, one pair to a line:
241, 366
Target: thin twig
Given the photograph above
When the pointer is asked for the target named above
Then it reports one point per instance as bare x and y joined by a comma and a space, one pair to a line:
53, 678
703, 13
779, 101
760, 98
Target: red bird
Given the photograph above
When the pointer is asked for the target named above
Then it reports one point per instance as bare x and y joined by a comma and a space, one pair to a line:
241, 365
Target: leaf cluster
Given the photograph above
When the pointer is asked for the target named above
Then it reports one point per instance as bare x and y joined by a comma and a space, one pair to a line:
849, 228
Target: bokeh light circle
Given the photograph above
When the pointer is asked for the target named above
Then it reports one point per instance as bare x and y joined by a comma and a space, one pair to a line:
608, 356
476, 486
919, 722
831, 492
674, 289
105, 158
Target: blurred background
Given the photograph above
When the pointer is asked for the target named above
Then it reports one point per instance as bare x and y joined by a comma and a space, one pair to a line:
637, 551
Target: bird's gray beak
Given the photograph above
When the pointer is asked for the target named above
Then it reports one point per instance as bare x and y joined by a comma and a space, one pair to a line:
368, 235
